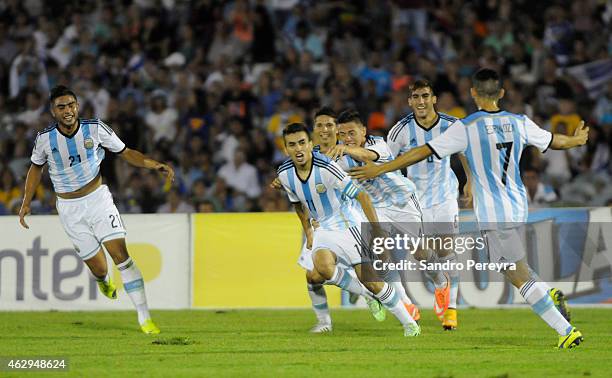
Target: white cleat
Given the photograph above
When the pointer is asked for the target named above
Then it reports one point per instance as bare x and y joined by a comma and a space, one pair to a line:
412, 330
321, 328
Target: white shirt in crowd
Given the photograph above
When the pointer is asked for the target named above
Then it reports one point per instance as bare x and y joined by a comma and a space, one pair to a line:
242, 178
163, 124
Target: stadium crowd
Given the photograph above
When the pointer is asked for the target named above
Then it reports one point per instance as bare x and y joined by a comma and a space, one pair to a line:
208, 85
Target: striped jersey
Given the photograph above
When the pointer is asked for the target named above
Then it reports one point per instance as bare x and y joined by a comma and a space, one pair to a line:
435, 180
328, 193
493, 143
387, 190
74, 160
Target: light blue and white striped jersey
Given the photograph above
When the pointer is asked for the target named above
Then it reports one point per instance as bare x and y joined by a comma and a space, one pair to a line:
74, 160
435, 180
328, 193
493, 143
388, 190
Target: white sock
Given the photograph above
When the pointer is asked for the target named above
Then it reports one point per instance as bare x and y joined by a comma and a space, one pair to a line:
318, 297
436, 275
134, 286
344, 280
537, 296
399, 289
454, 278
391, 300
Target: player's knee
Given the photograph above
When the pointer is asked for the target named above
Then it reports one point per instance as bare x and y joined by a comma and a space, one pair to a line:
324, 263
326, 272
313, 277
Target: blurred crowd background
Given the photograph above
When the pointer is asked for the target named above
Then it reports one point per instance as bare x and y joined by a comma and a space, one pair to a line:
208, 85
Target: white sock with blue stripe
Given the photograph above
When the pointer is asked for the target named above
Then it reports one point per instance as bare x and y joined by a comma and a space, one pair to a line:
343, 279
318, 297
536, 294
391, 300
134, 287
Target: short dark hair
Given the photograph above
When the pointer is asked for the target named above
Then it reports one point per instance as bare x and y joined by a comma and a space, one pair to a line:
296, 127
487, 83
326, 111
420, 84
349, 115
59, 91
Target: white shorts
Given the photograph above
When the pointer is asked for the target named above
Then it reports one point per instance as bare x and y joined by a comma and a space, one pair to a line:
442, 218
406, 220
90, 220
504, 245
345, 244
305, 259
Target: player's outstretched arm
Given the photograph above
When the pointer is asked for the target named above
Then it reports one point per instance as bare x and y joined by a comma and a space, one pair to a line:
563, 142
301, 213
31, 183
357, 153
411, 157
138, 159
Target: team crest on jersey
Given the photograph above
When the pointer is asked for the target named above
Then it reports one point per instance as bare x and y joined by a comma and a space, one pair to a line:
320, 188
89, 143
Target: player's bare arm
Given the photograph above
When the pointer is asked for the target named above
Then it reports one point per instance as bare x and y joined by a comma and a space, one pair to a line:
467, 188
32, 181
303, 215
411, 157
138, 159
564, 142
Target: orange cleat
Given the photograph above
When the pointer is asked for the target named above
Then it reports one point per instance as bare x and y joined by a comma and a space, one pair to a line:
442, 298
413, 310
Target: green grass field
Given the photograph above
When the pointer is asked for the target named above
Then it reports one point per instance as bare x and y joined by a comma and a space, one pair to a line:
492, 343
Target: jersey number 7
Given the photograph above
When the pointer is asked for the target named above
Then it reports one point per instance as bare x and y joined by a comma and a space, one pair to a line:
508, 147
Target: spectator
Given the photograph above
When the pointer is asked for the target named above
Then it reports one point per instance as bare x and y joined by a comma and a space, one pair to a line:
538, 193
174, 204
162, 119
241, 176
9, 189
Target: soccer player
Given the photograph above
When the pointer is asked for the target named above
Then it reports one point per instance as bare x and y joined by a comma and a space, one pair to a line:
393, 196
315, 183
437, 189
325, 137
74, 149
493, 140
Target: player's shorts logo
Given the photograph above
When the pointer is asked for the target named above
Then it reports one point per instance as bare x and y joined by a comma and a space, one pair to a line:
320, 188
89, 144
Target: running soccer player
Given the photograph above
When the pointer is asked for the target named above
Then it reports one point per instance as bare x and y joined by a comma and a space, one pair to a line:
393, 196
74, 149
314, 182
437, 189
493, 140
325, 136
